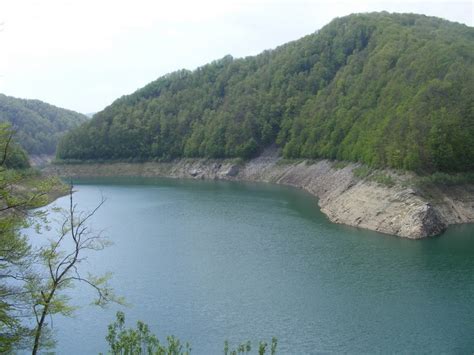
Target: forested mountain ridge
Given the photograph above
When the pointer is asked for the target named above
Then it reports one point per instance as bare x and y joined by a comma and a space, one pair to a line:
385, 89
38, 125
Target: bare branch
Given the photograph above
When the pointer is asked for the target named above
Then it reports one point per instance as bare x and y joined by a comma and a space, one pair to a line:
63, 265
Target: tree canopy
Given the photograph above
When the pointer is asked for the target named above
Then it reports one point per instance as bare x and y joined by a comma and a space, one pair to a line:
385, 89
37, 124
33, 279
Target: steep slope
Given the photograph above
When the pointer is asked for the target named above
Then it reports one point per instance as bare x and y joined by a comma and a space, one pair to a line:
384, 89
397, 205
38, 125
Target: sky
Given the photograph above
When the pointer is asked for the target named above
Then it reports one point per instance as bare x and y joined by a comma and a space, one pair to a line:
84, 54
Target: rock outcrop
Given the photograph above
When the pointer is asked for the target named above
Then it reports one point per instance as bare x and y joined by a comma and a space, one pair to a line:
388, 208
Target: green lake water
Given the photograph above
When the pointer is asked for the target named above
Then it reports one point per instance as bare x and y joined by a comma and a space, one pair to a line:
210, 261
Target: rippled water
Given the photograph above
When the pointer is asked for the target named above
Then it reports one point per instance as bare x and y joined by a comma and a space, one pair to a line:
209, 261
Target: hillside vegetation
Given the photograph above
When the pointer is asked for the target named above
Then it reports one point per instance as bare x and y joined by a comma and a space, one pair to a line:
38, 125
392, 90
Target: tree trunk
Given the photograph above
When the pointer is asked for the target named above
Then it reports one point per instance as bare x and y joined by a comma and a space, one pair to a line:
39, 328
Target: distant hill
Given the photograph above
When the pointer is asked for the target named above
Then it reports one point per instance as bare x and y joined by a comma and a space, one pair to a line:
38, 125
392, 90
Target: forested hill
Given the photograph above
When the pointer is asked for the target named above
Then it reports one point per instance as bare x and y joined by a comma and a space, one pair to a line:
385, 89
38, 125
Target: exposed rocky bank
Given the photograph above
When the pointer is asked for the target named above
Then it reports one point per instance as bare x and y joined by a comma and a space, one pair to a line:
388, 208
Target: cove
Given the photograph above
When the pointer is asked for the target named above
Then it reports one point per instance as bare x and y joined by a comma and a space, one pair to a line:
208, 261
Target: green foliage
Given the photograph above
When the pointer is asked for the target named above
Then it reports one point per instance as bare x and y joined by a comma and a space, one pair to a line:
139, 340
404, 101
383, 179
339, 165
32, 281
383, 89
12, 156
38, 125
246, 347
243, 348
443, 179
362, 172
61, 261
13, 255
17, 158
19, 192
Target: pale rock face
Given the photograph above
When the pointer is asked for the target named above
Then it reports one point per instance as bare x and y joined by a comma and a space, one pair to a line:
421, 222
345, 199
387, 210
232, 171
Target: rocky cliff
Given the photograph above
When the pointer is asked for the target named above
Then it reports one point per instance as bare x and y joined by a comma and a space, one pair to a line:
386, 205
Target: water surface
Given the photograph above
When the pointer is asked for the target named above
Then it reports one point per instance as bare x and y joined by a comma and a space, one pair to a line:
209, 261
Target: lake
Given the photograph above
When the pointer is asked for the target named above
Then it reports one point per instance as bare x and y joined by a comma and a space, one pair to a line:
208, 261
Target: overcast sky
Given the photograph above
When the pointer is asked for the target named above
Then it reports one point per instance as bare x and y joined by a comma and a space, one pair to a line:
83, 54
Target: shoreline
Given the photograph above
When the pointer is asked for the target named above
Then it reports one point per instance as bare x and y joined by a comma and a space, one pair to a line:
386, 203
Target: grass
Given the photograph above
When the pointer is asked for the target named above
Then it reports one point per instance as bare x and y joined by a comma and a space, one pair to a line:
383, 179
338, 165
238, 161
369, 174
286, 161
362, 172
444, 179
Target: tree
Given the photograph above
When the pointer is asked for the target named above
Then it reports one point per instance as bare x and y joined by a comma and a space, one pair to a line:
140, 340
366, 88
32, 281
61, 260
38, 125
15, 253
